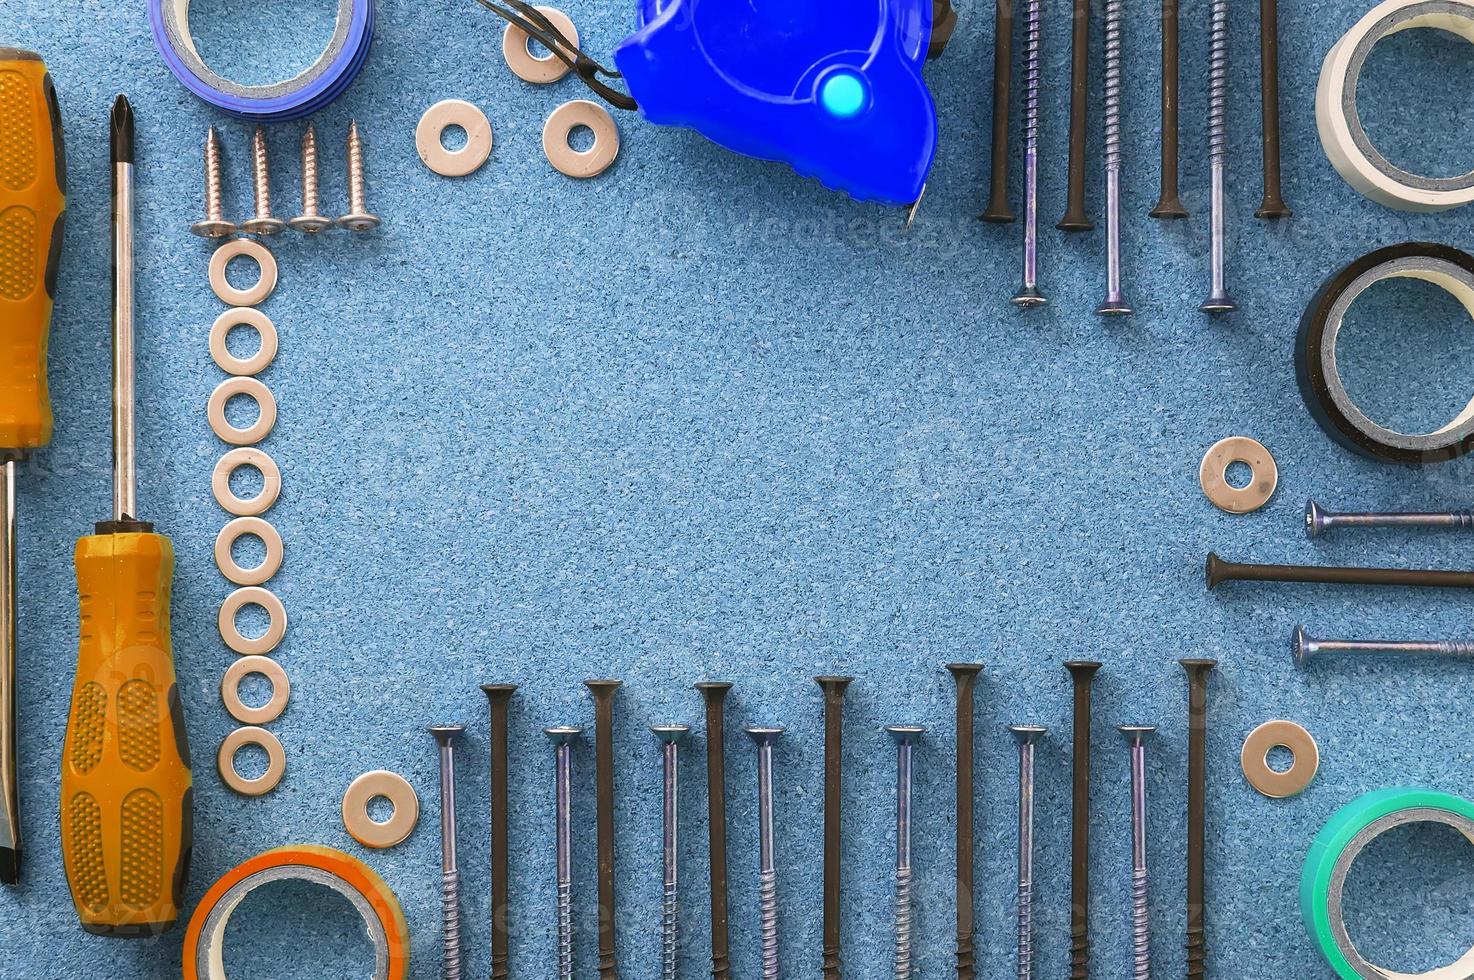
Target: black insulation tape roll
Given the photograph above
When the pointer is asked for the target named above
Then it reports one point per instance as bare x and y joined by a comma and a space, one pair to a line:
1322, 389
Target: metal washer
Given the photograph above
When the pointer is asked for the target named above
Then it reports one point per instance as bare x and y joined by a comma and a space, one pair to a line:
252, 249
394, 788
270, 481
225, 543
230, 690
276, 761
524, 64
585, 163
275, 631
265, 403
1254, 759
243, 316
440, 117
1213, 475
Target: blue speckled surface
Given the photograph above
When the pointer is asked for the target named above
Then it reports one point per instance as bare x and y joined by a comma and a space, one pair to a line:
698, 419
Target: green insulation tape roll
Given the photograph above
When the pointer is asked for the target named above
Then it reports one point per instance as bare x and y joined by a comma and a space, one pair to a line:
1335, 849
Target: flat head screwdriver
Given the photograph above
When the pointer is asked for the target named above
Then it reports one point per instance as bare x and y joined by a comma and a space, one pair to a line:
126, 822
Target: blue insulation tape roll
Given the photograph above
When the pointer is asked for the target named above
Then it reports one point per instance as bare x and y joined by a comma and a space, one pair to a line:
320, 84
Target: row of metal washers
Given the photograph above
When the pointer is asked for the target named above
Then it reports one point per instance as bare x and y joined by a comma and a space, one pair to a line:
1169, 205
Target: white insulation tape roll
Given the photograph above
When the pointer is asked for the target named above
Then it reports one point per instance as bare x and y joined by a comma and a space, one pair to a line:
1341, 134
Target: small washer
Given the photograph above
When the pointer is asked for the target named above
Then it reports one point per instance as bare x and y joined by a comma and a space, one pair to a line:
527, 66
252, 249
440, 117
586, 163
394, 788
225, 542
265, 403
253, 595
276, 761
1213, 475
243, 316
230, 694
270, 481
1255, 759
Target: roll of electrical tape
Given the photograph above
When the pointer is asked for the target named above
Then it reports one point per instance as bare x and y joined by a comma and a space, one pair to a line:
1335, 849
204, 942
317, 86
1315, 354
1341, 134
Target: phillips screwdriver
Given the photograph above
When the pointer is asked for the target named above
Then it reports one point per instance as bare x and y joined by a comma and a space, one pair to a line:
32, 205
126, 824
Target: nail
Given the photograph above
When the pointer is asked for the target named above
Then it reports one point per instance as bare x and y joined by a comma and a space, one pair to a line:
499, 698
1219, 571
834, 690
603, 692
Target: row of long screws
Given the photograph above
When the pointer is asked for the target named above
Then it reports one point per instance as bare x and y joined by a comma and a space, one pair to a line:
264, 221
1169, 204
564, 738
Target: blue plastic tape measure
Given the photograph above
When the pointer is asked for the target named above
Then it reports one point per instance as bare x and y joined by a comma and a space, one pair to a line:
831, 87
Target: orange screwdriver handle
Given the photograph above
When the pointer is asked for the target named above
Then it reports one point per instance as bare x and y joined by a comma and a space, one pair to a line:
126, 826
32, 206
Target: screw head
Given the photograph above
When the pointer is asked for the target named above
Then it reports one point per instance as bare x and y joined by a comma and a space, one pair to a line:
446, 734
1114, 306
906, 734
498, 692
833, 685
563, 734
358, 222
1028, 734
960, 671
264, 226
1082, 669
765, 734
1219, 303
1315, 520
1302, 647
602, 690
213, 229
1136, 733
311, 224
1028, 297
670, 734
1168, 207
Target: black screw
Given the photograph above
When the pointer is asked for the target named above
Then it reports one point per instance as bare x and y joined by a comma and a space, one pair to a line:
1083, 672
499, 697
1197, 806
715, 695
1273, 205
966, 677
834, 688
1169, 205
603, 692
998, 210
1218, 571
1075, 218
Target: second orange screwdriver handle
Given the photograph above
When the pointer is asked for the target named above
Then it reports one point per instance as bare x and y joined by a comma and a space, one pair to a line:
126, 789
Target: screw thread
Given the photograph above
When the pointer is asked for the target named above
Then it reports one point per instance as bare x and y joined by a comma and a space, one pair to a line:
721, 967
669, 931
1141, 934
356, 195
1218, 83
1456, 648
966, 959
261, 174
1464, 518
1031, 75
1197, 953
905, 923
309, 173
450, 907
565, 930
1025, 930
1079, 958
768, 927
214, 203
1113, 48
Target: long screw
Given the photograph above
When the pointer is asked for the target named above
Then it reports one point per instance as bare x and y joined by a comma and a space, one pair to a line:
563, 739
263, 222
834, 689
499, 697
1114, 303
1304, 647
1273, 205
311, 220
1318, 520
1169, 204
1075, 218
714, 693
1141, 927
1083, 674
358, 217
214, 224
450, 876
1218, 300
1197, 808
905, 737
767, 853
1219, 571
670, 910
1026, 736
998, 210
965, 676
603, 692
1029, 294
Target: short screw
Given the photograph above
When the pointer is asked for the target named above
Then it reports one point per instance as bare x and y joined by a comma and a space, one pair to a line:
603, 693
1114, 303
499, 697
767, 852
358, 217
905, 737
714, 694
1197, 807
263, 223
563, 739
1027, 737
1218, 300
1304, 647
1141, 935
311, 220
1318, 521
1029, 294
670, 911
214, 225
450, 876
834, 691
1082, 673
965, 676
